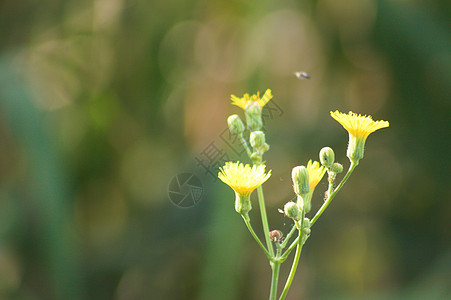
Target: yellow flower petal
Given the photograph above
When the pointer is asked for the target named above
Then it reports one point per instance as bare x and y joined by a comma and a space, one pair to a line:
315, 173
243, 101
359, 128
243, 179
358, 125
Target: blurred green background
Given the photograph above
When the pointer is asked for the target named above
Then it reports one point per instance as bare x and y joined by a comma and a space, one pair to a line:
103, 102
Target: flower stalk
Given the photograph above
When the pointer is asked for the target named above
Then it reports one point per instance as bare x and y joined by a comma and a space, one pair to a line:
244, 179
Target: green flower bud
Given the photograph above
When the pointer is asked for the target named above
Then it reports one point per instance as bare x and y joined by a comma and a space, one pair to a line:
336, 168
257, 139
256, 157
300, 178
292, 211
327, 156
306, 223
265, 147
253, 113
236, 126
242, 203
306, 229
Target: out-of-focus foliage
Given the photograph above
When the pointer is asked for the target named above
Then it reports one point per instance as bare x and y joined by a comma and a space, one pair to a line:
102, 102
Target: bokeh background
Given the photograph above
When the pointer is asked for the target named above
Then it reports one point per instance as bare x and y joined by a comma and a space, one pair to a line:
103, 102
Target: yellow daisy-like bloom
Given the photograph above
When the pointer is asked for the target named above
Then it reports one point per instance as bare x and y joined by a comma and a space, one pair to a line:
243, 179
243, 101
359, 128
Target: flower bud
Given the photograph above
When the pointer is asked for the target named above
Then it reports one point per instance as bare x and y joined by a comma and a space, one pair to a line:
275, 236
306, 223
327, 156
292, 211
236, 126
256, 157
336, 168
257, 139
253, 113
300, 178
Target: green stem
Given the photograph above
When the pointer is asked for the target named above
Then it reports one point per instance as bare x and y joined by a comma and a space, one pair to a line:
275, 266
261, 204
287, 238
251, 230
293, 268
285, 255
295, 242
332, 195
245, 145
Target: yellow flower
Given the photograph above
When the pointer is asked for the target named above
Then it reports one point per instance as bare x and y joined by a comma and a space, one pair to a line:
243, 179
315, 174
359, 128
243, 101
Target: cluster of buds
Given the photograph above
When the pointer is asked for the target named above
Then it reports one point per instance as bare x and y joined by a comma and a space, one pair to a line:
253, 114
258, 143
327, 159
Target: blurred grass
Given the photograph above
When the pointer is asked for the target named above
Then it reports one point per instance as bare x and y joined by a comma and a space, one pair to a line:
55, 244
103, 102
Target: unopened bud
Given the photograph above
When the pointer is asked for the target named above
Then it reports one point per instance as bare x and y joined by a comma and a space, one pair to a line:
257, 139
306, 226
327, 156
292, 211
256, 157
275, 236
336, 168
253, 113
236, 126
300, 178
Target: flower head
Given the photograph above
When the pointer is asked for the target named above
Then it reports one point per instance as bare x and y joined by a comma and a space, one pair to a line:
359, 128
243, 101
243, 179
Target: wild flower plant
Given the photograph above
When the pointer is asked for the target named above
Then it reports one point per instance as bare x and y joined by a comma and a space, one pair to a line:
244, 179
